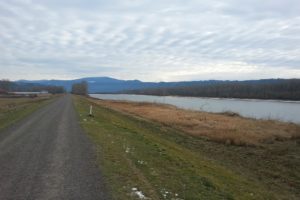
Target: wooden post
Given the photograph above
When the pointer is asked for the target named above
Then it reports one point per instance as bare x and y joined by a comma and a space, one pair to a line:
91, 111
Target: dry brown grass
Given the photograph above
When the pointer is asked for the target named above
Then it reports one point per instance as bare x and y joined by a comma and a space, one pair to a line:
231, 129
7, 104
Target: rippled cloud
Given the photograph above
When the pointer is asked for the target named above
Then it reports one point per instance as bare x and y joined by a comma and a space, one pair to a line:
162, 40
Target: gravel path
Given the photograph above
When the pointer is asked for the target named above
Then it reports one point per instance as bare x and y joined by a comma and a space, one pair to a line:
48, 156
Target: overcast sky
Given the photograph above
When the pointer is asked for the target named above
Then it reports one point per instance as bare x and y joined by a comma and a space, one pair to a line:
150, 40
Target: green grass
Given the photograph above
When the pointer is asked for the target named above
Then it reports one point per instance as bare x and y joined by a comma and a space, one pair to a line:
15, 109
162, 162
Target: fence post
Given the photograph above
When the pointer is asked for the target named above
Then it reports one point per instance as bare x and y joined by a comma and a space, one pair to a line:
91, 111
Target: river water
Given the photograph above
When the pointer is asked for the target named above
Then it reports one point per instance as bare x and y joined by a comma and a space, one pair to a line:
288, 111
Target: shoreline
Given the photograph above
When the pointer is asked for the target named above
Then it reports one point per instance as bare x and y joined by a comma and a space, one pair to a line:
214, 98
268, 114
225, 127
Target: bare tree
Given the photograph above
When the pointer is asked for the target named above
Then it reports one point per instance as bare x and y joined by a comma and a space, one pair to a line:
80, 88
5, 84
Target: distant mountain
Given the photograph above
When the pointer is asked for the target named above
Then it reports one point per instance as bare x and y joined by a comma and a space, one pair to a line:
110, 85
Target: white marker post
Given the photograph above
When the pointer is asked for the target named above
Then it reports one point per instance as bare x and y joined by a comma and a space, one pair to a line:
91, 111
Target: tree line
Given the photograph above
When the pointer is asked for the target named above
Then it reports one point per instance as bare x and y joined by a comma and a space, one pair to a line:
11, 86
284, 89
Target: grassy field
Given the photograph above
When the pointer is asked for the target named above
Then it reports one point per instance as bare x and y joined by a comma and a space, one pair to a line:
14, 109
144, 159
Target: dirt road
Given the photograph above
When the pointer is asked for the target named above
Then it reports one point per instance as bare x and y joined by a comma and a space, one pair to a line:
48, 156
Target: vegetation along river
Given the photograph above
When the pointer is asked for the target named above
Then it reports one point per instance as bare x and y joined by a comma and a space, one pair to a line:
288, 111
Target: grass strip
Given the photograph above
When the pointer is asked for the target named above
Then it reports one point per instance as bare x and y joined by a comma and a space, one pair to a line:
140, 161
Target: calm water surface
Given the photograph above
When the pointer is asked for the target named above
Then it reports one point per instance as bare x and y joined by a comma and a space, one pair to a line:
288, 111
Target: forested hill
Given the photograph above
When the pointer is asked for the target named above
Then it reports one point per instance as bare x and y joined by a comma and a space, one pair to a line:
284, 89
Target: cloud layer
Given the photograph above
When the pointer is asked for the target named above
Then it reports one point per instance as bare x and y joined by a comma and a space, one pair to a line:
150, 40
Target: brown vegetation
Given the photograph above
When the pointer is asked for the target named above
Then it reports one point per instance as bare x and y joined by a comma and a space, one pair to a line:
10, 104
225, 128
14, 109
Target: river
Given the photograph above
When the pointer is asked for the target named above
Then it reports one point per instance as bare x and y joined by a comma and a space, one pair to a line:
288, 111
